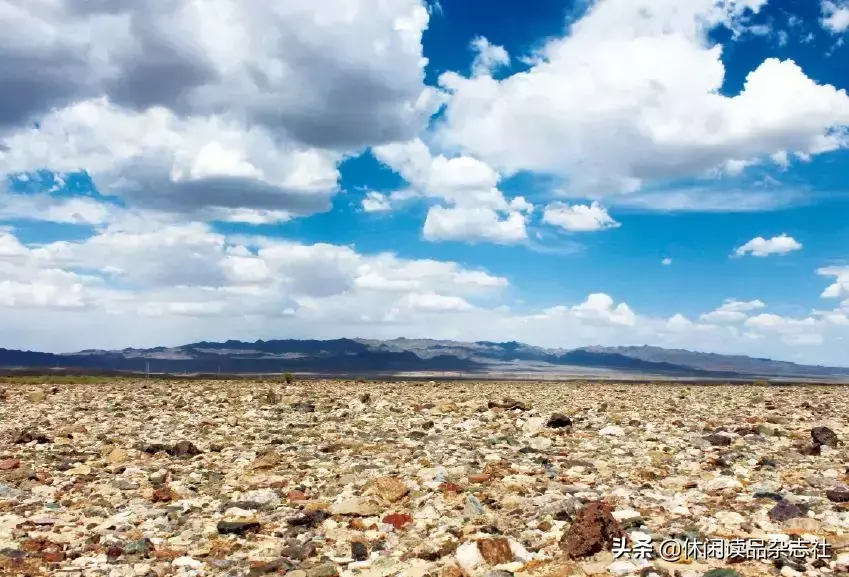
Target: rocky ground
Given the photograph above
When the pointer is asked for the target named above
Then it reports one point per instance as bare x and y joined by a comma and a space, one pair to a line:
318, 479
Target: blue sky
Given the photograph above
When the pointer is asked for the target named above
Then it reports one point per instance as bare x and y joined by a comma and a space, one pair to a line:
573, 173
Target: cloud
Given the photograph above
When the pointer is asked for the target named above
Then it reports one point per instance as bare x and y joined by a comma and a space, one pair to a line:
632, 95
478, 211
236, 110
707, 199
329, 75
666, 262
579, 217
489, 57
840, 287
732, 311
474, 225
835, 16
759, 246
177, 282
376, 202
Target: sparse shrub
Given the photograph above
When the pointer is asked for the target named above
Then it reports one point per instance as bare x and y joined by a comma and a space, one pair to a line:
288, 378
361, 381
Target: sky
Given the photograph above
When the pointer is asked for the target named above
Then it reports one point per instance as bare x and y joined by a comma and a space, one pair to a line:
565, 174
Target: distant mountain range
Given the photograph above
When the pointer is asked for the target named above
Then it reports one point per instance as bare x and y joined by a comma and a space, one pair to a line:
367, 356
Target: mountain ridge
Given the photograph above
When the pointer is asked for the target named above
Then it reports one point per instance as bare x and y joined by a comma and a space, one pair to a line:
399, 355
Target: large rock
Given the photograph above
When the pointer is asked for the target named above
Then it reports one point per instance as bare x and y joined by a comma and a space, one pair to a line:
593, 530
390, 489
361, 506
824, 436
495, 551
785, 510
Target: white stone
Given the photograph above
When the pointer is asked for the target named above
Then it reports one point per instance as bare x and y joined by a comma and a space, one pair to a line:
722, 482
265, 497
612, 430
625, 514
533, 425
621, 568
468, 557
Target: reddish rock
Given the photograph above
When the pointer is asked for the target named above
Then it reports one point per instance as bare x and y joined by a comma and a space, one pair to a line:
163, 494
593, 530
166, 554
449, 488
479, 478
33, 545
495, 551
54, 556
9, 464
398, 520
297, 496
452, 570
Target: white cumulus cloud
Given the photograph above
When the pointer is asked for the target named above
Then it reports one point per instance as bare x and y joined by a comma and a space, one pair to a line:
759, 246
579, 217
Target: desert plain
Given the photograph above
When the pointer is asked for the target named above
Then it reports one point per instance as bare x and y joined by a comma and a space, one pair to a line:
325, 478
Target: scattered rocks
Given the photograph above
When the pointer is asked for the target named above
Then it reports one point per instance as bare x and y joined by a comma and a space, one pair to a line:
320, 478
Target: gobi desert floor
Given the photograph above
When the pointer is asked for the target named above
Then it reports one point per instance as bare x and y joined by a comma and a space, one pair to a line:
413, 479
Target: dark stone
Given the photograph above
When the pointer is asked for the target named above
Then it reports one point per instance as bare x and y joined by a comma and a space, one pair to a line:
811, 450
247, 505
838, 495
593, 530
718, 440
28, 436
509, 404
365, 398
786, 510
824, 436
184, 449
722, 573
304, 407
768, 495
359, 551
765, 463
12, 553
153, 448
141, 547
113, 553
237, 527
278, 566
311, 519
298, 552
559, 421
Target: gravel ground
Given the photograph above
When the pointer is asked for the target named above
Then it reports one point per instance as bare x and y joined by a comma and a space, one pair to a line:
326, 478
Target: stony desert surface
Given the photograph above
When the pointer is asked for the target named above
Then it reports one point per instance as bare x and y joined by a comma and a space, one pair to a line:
415, 479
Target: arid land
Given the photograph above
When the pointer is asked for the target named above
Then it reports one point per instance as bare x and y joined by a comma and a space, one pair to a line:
453, 479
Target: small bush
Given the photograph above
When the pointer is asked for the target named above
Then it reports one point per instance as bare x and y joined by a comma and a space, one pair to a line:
288, 377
